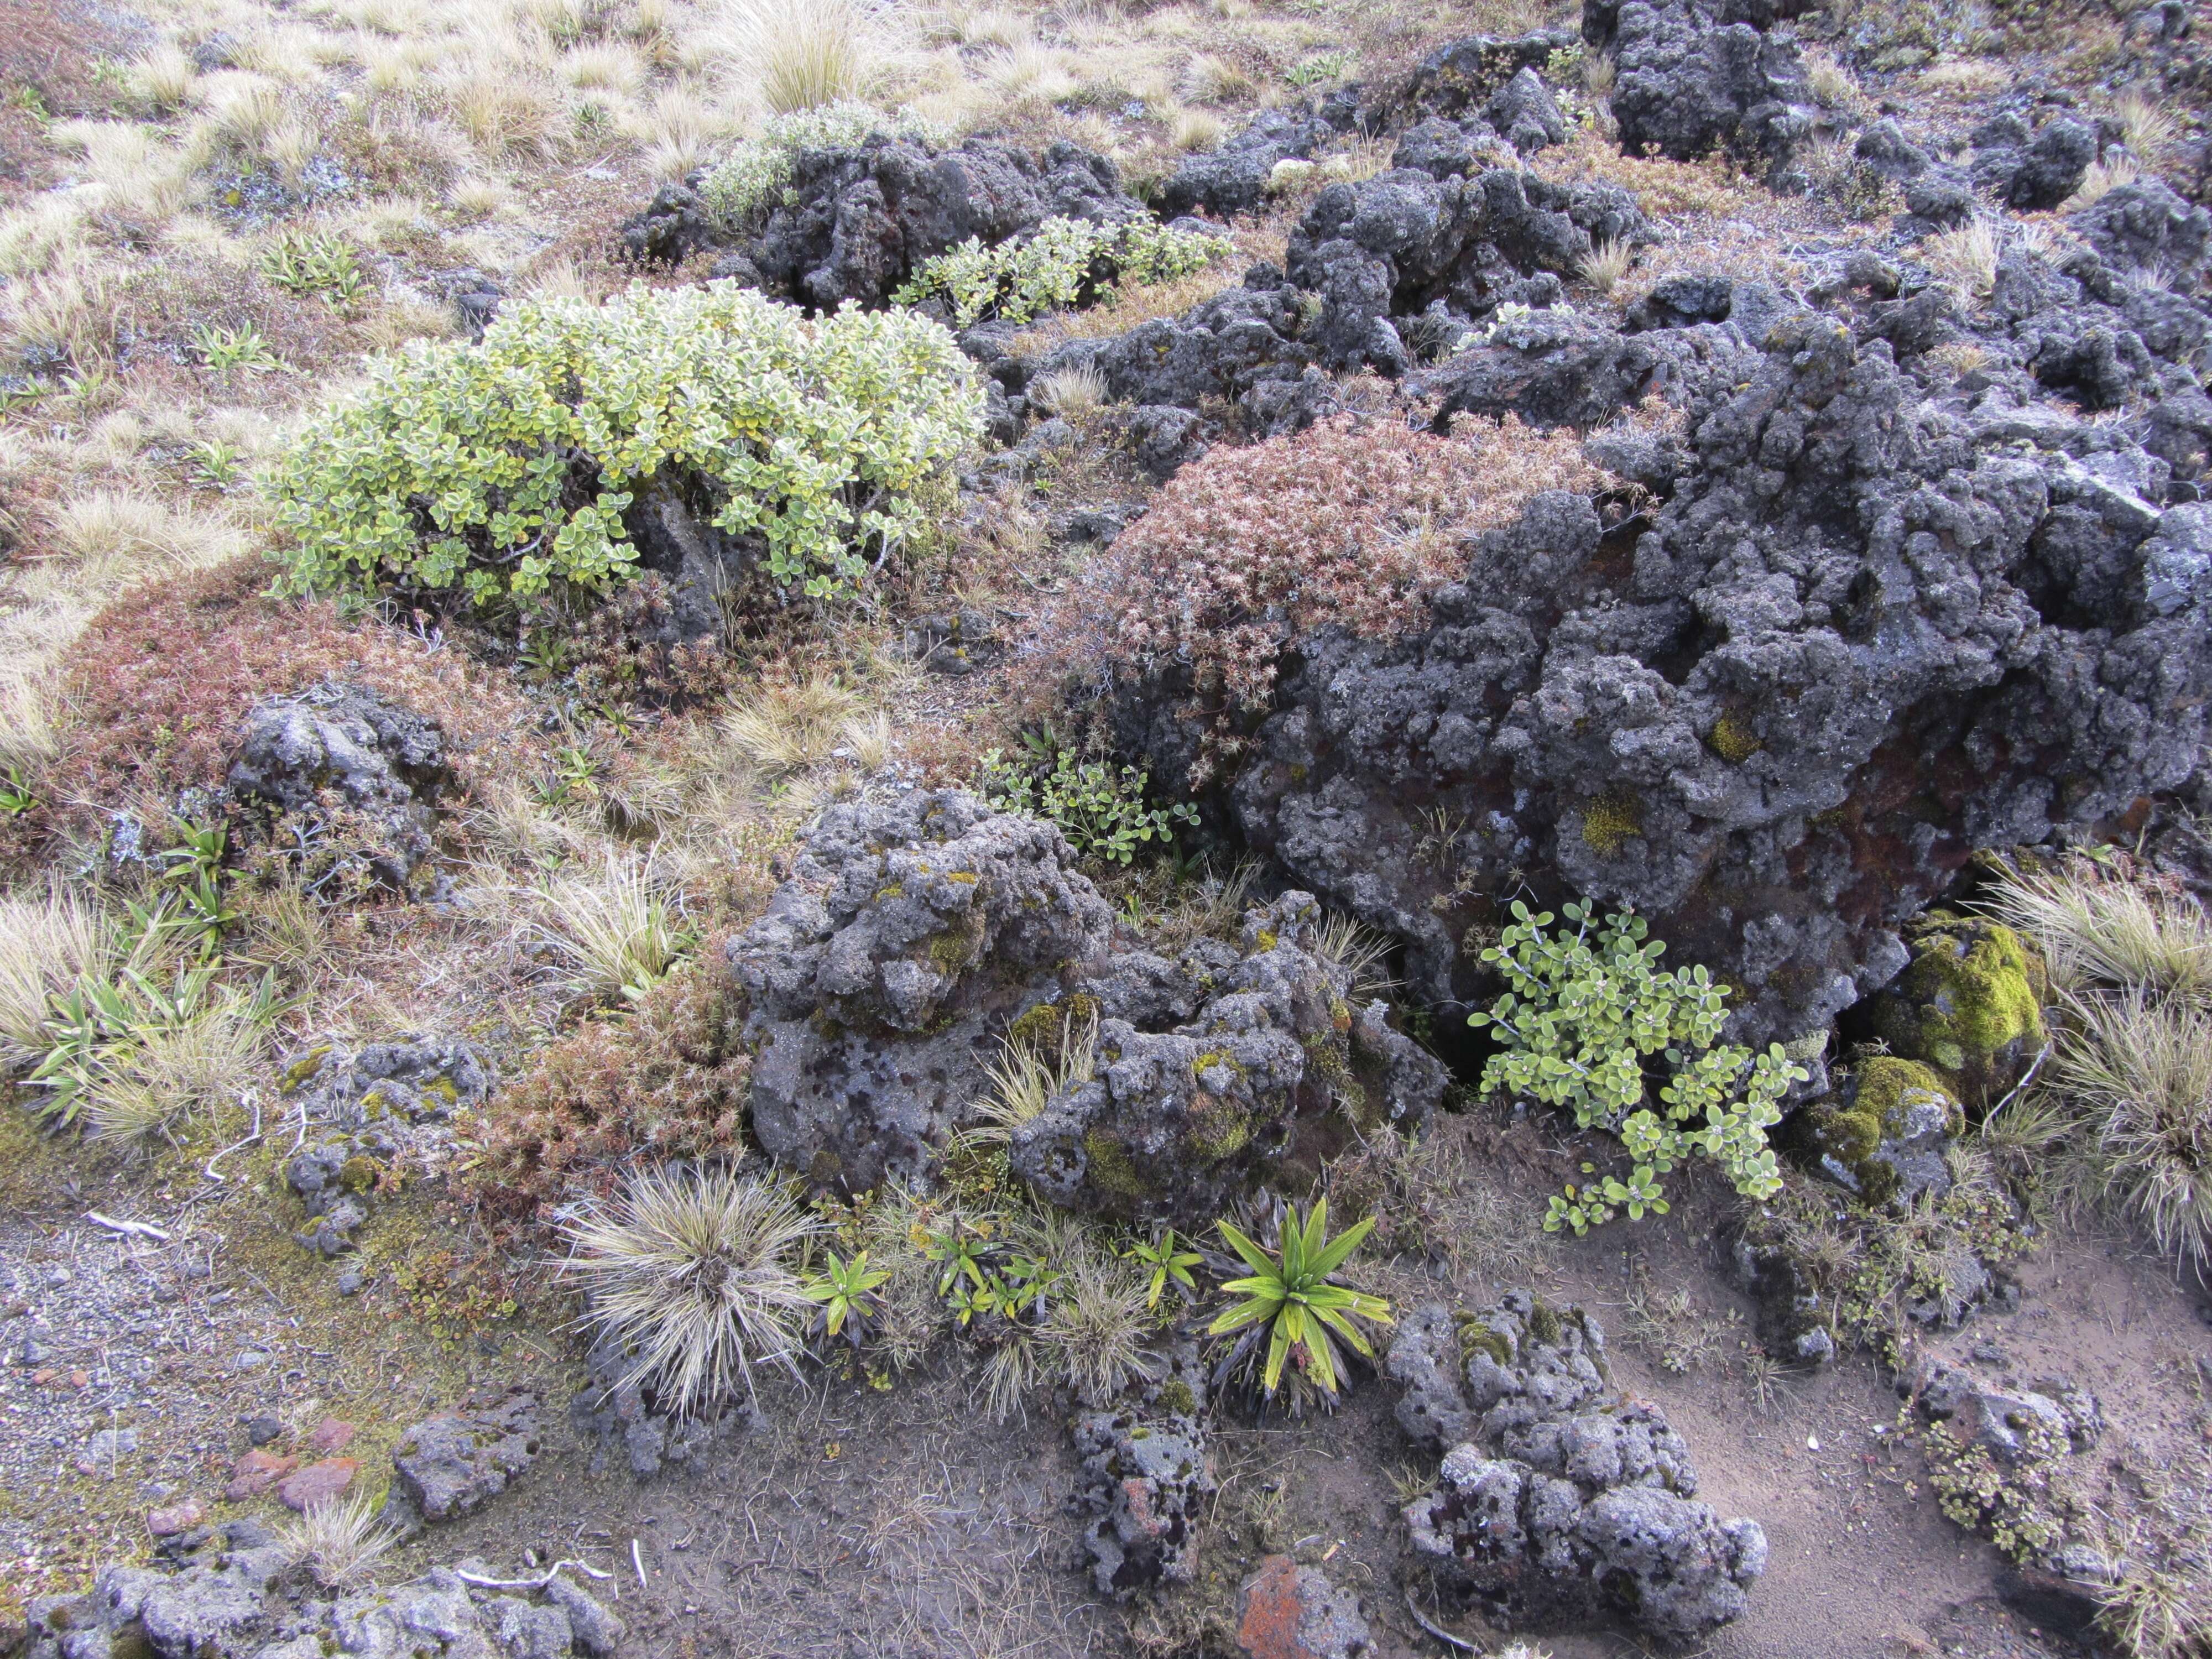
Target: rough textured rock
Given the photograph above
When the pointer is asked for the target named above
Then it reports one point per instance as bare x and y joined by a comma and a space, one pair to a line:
1396, 244
2032, 172
2143, 226
1970, 1005
1879, 621
1883, 1133
854, 223
223, 1593
614, 1411
1696, 76
885, 969
1558, 1499
1286, 1611
1234, 178
354, 767
1469, 75
2049, 1418
1264, 1075
455, 1461
913, 935
1144, 1480
390, 1085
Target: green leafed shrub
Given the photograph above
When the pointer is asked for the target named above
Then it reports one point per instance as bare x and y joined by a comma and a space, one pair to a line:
1589, 1022
1101, 811
752, 178
503, 469
1065, 262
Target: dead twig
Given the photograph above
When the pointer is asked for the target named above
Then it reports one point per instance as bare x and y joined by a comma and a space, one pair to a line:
539, 1583
1435, 1629
143, 1228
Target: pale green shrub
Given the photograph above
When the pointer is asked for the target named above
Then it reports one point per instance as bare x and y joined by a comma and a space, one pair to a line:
504, 468
1064, 261
1583, 1012
754, 176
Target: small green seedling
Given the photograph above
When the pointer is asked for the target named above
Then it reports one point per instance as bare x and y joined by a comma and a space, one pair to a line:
1291, 1296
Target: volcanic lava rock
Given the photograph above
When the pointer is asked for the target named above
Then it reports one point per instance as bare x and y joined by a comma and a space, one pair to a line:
455, 1461
1558, 1499
1696, 76
1286, 1611
907, 937
854, 223
223, 1593
1144, 1482
1877, 625
1394, 244
1266, 1074
913, 936
351, 767
1233, 178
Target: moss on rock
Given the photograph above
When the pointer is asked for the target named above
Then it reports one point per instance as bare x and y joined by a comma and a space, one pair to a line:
1971, 1006
1882, 1135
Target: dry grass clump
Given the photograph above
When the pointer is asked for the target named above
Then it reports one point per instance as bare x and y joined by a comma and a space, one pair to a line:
1966, 258
1832, 85
2148, 127
1607, 263
618, 928
1027, 1075
172, 1071
46, 939
666, 1079
2134, 1086
338, 1540
1352, 523
789, 728
1095, 1333
694, 1275
2123, 1118
1070, 393
2102, 178
802, 54
1669, 190
2096, 926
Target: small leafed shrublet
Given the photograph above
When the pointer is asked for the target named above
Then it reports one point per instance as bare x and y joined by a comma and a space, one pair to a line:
1353, 523
504, 468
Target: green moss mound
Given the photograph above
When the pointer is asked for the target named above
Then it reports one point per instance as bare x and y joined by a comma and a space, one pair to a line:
1971, 1006
1874, 1106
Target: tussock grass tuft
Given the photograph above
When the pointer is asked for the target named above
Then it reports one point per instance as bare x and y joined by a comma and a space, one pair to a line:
1966, 258
46, 939
694, 1273
338, 1540
1607, 263
1070, 393
619, 928
2148, 127
1024, 1080
2102, 179
783, 729
2134, 1084
1095, 1333
802, 54
2097, 927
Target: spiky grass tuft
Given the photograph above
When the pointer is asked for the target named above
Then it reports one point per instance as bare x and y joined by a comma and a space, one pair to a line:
2097, 927
1024, 1081
1095, 1334
694, 1274
46, 940
1966, 258
337, 1540
783, 729
619, 928
1607, 263
802, 54
1070, 393
2136, 1077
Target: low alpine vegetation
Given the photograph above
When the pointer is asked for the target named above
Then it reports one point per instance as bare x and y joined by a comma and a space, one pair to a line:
1352, 523
695, 1275
1066, 262
503, 469
1100, 809
1590, 1022
1291, 1297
